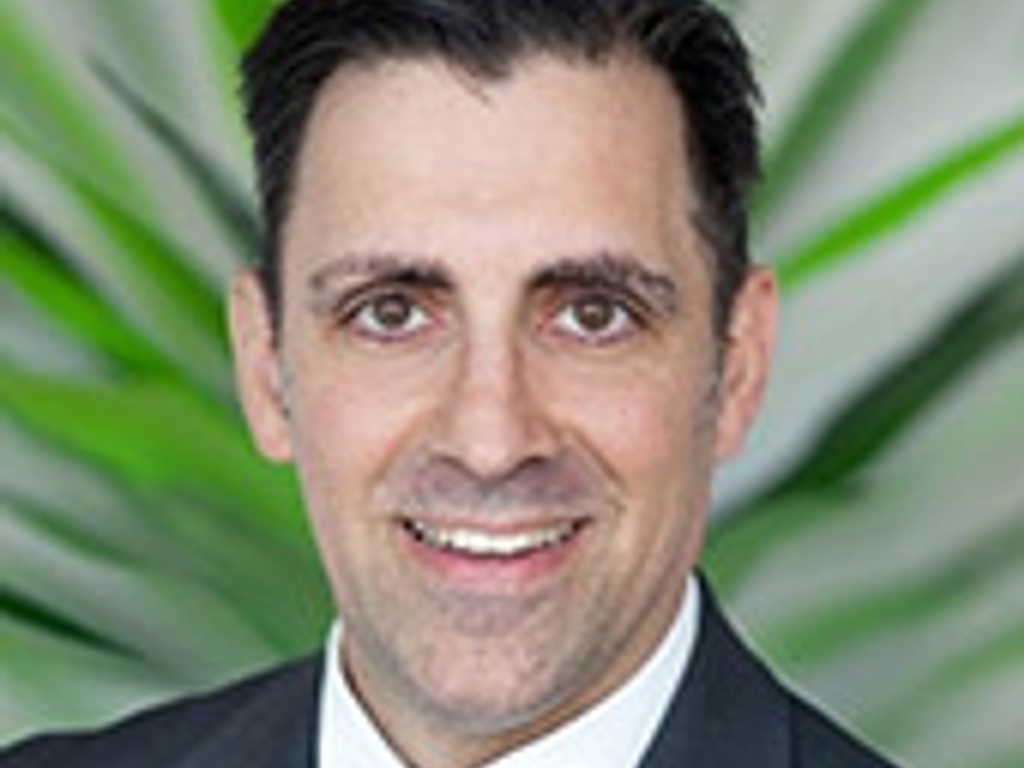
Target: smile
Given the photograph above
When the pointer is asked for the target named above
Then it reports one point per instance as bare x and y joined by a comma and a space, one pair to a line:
474, 542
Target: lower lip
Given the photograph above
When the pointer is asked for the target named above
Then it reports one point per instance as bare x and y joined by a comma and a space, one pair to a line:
493, 573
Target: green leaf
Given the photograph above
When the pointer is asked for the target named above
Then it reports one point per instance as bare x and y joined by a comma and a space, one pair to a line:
232, 205
63, 529
67, 684
150, 612
882, 412
51, 102
741, 541
45, 279
242, 21
828, 101
192, 540
991, 659
148, 276
158, 436
134, 267
863, 430
902, 204
844, 624
27, 611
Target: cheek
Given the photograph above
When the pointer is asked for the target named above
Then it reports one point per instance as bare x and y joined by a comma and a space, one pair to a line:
646, 425
349, 425
651, 433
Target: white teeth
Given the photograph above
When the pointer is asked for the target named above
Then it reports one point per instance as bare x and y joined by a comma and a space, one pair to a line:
481, 544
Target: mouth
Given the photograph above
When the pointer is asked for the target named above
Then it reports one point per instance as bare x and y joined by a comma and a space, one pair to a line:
481, 544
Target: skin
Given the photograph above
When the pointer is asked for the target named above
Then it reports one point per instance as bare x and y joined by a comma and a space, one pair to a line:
497, 318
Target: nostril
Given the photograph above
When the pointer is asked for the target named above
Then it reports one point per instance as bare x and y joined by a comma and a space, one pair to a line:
492, 432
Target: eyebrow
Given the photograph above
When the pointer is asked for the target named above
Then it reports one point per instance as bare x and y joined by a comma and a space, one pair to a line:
602, 269
618, 271
395, 268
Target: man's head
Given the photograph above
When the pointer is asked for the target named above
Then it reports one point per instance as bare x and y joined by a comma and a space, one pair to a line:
495, 362
692, 44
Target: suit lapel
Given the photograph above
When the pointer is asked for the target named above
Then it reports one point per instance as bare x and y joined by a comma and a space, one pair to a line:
275, 730
728, 710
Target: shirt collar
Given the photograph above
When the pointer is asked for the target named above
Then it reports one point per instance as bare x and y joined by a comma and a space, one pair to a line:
614, 733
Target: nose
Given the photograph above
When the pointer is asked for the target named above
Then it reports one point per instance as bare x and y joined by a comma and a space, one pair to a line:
492, 420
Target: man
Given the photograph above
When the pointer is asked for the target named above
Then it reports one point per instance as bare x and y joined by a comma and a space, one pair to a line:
505, 329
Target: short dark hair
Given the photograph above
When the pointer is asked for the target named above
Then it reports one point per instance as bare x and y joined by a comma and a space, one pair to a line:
306, 41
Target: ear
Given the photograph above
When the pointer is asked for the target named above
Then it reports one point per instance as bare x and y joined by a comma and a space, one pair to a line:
747, 353
258, 372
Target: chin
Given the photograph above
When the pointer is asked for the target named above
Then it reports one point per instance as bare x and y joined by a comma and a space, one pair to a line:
502, 694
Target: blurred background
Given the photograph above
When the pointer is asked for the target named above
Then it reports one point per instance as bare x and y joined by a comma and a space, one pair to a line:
871, 541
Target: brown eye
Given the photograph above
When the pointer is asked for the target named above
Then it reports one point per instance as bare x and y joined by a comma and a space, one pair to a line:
595, 319
595, 314
392, 311
389, 317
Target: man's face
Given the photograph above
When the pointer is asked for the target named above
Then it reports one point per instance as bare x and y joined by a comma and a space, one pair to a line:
497, 377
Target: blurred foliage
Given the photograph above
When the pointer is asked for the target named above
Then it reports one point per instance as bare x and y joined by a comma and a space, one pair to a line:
872, 540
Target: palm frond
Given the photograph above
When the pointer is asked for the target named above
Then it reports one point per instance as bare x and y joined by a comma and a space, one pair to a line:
834, 93
880, 415
903, 203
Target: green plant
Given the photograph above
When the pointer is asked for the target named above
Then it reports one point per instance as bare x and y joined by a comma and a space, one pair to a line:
871, 541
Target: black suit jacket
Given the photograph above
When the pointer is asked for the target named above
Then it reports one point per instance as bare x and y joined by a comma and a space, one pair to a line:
728, 713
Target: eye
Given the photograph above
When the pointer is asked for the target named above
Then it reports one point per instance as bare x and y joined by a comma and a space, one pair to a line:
596, 319
388, 317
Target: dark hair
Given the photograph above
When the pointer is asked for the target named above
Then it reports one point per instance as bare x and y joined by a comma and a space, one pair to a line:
306, 41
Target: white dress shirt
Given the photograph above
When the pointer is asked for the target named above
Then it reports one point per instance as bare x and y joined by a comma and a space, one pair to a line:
613, 734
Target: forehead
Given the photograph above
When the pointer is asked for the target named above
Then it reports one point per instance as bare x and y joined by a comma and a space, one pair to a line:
556, 157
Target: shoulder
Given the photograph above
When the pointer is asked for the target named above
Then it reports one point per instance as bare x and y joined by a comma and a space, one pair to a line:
169, 733
819, 742
740, 708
